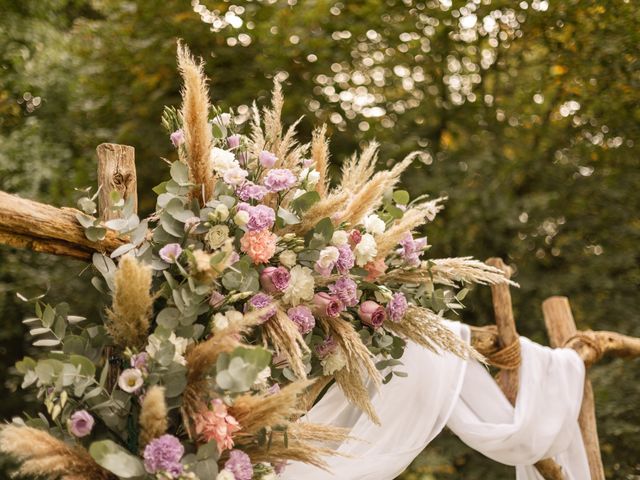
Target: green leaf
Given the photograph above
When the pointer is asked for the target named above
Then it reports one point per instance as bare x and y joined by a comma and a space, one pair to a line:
180, 173
208, 450
87, 367
87, 205
85, 220
305, 201
160, 188
95, 234
116, 459
206, 468
168, 318
401, 196
325, 229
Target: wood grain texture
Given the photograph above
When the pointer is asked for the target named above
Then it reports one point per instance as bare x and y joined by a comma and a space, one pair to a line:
561, 327
116, 171
43, 228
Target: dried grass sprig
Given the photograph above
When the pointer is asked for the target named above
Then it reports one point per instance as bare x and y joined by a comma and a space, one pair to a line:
359, 169
325, 208
353, 387
358, 356
128, 319
43, 455
272, 118
255, 412
287, 340
424, 327
320, 157
153, 416
195, 121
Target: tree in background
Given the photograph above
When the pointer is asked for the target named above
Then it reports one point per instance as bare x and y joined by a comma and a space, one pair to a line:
528, 114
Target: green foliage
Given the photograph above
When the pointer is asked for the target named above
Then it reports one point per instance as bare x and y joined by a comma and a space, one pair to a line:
530, 126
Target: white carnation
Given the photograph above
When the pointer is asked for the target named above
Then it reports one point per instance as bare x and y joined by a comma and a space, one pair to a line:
300, 286
366, 250
339, 238
374, 224
328, 257
222, 160
235, 175
288, 258
262, 379
225, 475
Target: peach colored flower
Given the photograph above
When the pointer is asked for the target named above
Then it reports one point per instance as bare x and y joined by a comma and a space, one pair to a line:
259, 245
375, 269
216, 424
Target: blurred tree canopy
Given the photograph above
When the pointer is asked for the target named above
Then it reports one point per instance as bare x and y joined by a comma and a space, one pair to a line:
528, 113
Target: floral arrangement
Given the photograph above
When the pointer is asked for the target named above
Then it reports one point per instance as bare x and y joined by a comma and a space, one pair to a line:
252, 286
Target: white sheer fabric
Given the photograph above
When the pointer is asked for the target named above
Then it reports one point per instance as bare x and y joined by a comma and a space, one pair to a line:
445, 390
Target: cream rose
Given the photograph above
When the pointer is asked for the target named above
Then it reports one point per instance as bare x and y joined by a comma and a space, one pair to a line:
366, 250
300, 287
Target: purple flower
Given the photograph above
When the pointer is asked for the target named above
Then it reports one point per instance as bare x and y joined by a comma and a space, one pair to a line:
262, 300
346, 260
177, 138
80, 424
261, 217
327, 347
303, 318
251, 191
397, 307
140, 361
372, 314
163, 454
411, 249
239, 464
267, 159
279, 179
346, 290
233, 141
170, 252
216, 299
327, 305
274, 279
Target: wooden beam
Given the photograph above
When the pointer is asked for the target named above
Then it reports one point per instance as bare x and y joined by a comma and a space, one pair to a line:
43, 228
116, 171
561, 327
508, 378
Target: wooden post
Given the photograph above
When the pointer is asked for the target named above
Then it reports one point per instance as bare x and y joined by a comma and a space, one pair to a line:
508, 379
116, 171
503, 310
561, 327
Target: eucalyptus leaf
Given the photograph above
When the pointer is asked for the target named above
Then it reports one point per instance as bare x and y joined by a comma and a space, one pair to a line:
116, 459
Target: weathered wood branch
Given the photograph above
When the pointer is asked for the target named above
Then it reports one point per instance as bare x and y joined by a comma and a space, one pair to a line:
561, 328
43, 228
116, 171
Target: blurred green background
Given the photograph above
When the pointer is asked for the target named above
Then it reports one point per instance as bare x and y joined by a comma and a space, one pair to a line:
529, 114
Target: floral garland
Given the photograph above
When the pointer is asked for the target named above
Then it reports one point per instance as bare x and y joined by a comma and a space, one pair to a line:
252, 286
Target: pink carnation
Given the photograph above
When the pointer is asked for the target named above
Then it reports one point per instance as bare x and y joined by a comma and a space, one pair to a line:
375, 269
259, 245
279, 179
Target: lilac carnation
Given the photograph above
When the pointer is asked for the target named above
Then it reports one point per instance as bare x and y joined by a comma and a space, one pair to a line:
261, 217
346, 290
327, 347
239, 464
275, 279
303, 318
251, 191
163, 455
262, 300
81, 423
397, 307
279, 179
267, 159
346, 260
411, 249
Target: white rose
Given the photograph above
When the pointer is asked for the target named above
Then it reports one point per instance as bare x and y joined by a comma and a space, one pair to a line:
217, 235
333, 363
235, 175
222, 160
366, 250
225, 475
300, 286
288, 258
374, 224
222, 212
328, 257
313, 178
339, 238
241, 218
303, 174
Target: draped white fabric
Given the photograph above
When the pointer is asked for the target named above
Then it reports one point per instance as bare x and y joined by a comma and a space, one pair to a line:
445, 390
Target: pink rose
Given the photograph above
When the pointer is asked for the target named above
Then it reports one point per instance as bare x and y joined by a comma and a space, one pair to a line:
327, 305
259, 245
372, 314
274, 279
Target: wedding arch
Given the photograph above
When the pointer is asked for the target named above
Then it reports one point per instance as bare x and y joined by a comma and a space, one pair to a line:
469, 401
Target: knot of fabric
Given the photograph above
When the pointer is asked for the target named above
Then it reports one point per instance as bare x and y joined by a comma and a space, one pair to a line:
586, 338
507, 358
